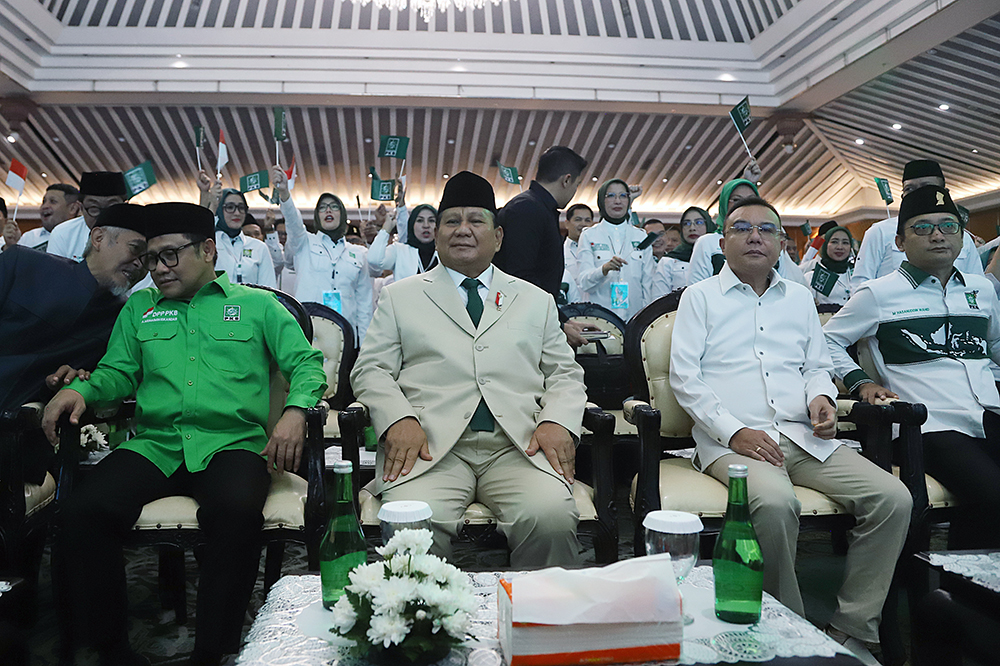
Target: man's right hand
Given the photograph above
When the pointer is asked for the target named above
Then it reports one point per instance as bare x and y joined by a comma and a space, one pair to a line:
871, 393
404, 441
385, 221
279, 180
11, 233
574, 333
66, 401
757, 445
614, 263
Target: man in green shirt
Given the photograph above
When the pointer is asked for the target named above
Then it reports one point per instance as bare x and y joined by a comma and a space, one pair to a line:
196, 352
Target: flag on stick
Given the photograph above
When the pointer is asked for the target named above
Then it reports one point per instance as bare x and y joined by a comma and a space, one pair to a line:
275, 199
139, 179
382, 190
16, 176
257, 180
741, 118
223, 155
199, 144
280, 125
393, 146
883, 189
509, 174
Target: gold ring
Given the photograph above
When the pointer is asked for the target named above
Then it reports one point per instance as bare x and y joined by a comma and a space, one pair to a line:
758, 450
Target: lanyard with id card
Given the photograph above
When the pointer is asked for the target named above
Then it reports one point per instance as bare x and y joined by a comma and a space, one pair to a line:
823, 279
332, 300
619, 295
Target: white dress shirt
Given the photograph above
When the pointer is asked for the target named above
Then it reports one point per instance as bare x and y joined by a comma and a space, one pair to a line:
324, 267
738, 360
600, 243
485, 280
246, 260
69, 239
36, 238
878, 254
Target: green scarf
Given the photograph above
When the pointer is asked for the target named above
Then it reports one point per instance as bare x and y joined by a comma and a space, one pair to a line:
334, 234
826, 260
602, 192
220, 220
683, 251
724, 195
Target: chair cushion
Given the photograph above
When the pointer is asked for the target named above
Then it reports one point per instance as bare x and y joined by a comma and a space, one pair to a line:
476, 513
938, 497
331, 429
328, 337
284, 508
683, 488
655, 347
37, 497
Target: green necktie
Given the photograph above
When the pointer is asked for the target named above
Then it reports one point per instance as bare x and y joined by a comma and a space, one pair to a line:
482, 420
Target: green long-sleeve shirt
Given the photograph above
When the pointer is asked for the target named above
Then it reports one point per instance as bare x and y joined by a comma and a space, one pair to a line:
200, 371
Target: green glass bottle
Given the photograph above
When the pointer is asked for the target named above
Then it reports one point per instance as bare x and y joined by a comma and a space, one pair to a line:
343, 546
737, 562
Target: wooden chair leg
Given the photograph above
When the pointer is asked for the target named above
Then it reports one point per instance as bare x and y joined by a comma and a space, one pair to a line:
272, 563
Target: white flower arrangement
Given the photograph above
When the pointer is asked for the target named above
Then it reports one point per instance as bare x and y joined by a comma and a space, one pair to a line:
412, 605
92, 439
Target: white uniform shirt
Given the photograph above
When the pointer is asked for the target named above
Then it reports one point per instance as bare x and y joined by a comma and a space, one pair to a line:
707, 247
36, 239
738, 360
277, 252
605, 240
246, 260
69, 239
324, 268
402, 259
878, 254
838, 295
671, 274
929, 344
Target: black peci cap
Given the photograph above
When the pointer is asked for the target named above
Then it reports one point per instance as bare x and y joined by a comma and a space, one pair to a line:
925, 200
922, 169
468, 189
179, 218
123, 216
103, 184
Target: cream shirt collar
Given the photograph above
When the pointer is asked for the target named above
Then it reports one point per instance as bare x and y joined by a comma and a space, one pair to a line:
486, 277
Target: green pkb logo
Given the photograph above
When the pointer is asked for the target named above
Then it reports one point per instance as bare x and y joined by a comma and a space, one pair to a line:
392, 146
970, 297
253, 182
231, 313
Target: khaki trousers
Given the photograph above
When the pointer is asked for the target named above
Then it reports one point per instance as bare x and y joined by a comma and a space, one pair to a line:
879, 502
534, 510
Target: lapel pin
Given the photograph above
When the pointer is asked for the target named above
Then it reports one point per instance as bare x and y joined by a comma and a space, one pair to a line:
499, 300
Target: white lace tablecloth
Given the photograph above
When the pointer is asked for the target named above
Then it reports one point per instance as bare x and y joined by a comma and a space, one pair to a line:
275, 638
983, 569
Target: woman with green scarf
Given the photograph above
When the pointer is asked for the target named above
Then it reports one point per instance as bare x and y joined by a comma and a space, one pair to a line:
830, 278
614, 272
671, 271
328, 269
245, 260
416, 255
707, 258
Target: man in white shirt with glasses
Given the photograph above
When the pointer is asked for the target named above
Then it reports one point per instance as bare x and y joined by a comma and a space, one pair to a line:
749, 363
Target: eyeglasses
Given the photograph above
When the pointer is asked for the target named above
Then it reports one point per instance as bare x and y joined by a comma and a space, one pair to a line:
926, 228
233, 207
621, 195
767, 230
168, 257
94, 211
327, 207
693, 223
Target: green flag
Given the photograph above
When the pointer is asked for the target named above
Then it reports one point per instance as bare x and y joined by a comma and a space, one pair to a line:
199, 137
139, 178
806, 229
280, 124
383, 190
883, 190
741, 115
508, 173
254, 181
393, 146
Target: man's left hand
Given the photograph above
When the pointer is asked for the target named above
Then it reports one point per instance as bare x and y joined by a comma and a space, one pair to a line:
64, 375
284, 449
574, 333
557, 444
823, 416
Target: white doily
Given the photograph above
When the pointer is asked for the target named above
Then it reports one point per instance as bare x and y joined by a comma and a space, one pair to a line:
983, 569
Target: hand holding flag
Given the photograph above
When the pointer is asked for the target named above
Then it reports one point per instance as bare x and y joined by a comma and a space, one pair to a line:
741, 118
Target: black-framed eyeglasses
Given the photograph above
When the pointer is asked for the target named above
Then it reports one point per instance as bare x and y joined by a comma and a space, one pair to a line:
168, 257
766, 229
94, 211
327, 207
949, 228
233, 207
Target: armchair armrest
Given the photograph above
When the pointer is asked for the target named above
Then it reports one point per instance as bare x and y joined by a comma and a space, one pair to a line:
353, 421
69, 442
629, 407
602, 442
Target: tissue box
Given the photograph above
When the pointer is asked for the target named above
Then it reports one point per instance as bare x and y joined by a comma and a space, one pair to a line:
584, 637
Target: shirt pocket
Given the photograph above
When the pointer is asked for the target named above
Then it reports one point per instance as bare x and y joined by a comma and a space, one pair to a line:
155, 343
227, 354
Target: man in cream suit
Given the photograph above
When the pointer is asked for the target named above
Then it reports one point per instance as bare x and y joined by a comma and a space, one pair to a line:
473, 390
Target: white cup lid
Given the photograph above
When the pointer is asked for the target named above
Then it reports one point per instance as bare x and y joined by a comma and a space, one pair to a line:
672, 522
404, 511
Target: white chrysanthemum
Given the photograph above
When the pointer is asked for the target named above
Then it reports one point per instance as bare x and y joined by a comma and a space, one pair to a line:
431, 566
456, 624
399, 564
344, 616
388, 629
414, 542
393, 595
366, 577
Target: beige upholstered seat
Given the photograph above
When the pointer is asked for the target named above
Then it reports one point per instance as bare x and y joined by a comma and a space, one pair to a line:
612, 344
328, 337
37, 498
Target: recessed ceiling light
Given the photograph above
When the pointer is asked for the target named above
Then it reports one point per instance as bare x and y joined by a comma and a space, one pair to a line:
368, 139
56, 139
179, 55
727, 77
664, 180
45, 175
121, 139
860, 142
975, 151
520, 177
758, 183
594, 179
180, 64
687, 147
369, 175
531, 143
718, 182
943, 107
11, 138
897, 126
451, 142
444, 175
611, 145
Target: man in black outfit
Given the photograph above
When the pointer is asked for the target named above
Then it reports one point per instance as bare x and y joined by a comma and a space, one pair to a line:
532, 245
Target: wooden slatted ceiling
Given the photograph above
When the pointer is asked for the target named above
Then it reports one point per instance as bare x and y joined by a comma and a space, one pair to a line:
333, 153
696, 20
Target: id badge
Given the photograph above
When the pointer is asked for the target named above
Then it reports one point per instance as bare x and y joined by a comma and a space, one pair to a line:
619, 295
331, 299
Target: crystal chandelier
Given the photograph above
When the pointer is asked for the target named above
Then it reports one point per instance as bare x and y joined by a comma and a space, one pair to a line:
426, 8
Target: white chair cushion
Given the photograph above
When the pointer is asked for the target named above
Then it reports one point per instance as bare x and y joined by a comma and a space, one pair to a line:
683, 488
37, 497
284, 508
938, 497
329, 339
331, 429
476, 513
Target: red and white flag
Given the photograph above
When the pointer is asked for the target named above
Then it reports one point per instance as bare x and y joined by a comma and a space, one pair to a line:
223, 154
291, 175
16, 176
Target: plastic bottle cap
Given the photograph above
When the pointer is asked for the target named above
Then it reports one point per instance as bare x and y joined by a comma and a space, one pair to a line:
672, 522
738, 470
343, 467
405, 511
